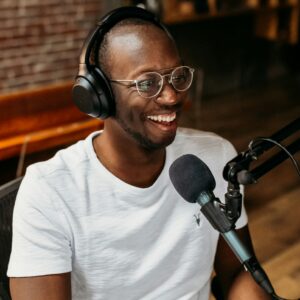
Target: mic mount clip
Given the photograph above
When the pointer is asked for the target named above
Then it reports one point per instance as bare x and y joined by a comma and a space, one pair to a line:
237, 172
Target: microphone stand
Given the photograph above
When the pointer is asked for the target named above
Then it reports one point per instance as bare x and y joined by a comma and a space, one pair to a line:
237, 172
278, 136
247, 177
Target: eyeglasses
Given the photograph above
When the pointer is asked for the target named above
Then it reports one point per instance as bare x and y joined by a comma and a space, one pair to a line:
150, 84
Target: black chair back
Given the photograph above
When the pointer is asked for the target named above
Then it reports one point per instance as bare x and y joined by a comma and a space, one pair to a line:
8, 194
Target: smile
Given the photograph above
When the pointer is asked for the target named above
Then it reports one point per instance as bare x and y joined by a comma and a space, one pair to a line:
163, 118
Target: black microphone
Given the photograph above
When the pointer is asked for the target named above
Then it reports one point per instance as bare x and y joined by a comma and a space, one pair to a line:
194, 181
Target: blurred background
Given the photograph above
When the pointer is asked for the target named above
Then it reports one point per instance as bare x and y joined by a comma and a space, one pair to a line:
247, 56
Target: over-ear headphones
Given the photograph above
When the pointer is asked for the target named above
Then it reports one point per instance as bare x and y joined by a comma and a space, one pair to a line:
92, 92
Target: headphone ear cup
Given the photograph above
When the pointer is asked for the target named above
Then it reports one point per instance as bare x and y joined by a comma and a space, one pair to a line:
92, 94
105, 93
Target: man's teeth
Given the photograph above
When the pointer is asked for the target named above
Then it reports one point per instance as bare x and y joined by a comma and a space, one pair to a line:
163, 118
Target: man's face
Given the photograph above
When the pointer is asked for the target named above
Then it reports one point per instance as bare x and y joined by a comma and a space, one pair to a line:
150, 122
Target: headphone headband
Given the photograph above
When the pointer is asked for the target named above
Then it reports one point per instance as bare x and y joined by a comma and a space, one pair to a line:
109, 21
126, 12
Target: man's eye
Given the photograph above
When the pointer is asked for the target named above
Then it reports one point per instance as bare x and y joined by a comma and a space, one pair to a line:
179, 78
145, 85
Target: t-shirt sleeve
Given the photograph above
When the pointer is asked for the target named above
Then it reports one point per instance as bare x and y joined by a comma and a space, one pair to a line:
41, 242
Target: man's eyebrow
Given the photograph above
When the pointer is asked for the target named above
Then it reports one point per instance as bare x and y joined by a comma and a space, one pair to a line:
168, 69
157, 70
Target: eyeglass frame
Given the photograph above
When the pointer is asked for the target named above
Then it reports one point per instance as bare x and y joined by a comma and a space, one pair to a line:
135, 81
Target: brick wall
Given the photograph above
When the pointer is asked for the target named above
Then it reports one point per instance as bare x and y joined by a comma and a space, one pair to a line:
40, 41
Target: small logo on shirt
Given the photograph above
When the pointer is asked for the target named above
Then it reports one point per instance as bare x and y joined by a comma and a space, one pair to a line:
197, 218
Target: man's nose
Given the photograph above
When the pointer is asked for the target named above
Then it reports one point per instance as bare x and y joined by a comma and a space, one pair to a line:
168, 94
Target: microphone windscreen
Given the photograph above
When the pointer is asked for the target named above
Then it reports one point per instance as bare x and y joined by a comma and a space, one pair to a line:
191, 176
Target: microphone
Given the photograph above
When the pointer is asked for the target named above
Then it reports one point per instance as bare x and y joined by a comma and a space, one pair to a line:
194, 181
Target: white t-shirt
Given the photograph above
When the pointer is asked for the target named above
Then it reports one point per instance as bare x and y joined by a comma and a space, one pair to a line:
117, 240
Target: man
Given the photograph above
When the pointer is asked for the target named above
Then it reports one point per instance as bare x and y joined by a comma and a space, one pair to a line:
101, 219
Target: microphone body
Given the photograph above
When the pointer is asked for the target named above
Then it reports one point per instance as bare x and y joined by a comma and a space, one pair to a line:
211, 210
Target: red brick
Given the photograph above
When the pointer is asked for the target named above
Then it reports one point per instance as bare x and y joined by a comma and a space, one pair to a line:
40, 41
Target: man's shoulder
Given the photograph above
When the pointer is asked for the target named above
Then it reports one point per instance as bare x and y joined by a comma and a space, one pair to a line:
202, 144
64, 163
205, 138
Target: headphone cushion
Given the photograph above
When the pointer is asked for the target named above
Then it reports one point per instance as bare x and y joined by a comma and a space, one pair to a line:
105, 93
91, 96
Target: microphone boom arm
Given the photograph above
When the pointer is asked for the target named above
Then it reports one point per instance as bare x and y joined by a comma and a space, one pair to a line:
247, 177
237, 171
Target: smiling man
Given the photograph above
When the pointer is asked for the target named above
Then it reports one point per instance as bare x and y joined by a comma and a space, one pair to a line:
146, 118
101, 219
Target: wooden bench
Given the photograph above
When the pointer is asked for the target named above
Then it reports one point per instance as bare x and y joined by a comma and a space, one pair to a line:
40, 119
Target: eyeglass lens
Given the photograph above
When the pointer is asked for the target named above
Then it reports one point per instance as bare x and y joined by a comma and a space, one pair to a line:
149, 84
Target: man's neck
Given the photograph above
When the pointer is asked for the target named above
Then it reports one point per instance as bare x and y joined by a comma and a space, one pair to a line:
129, 162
